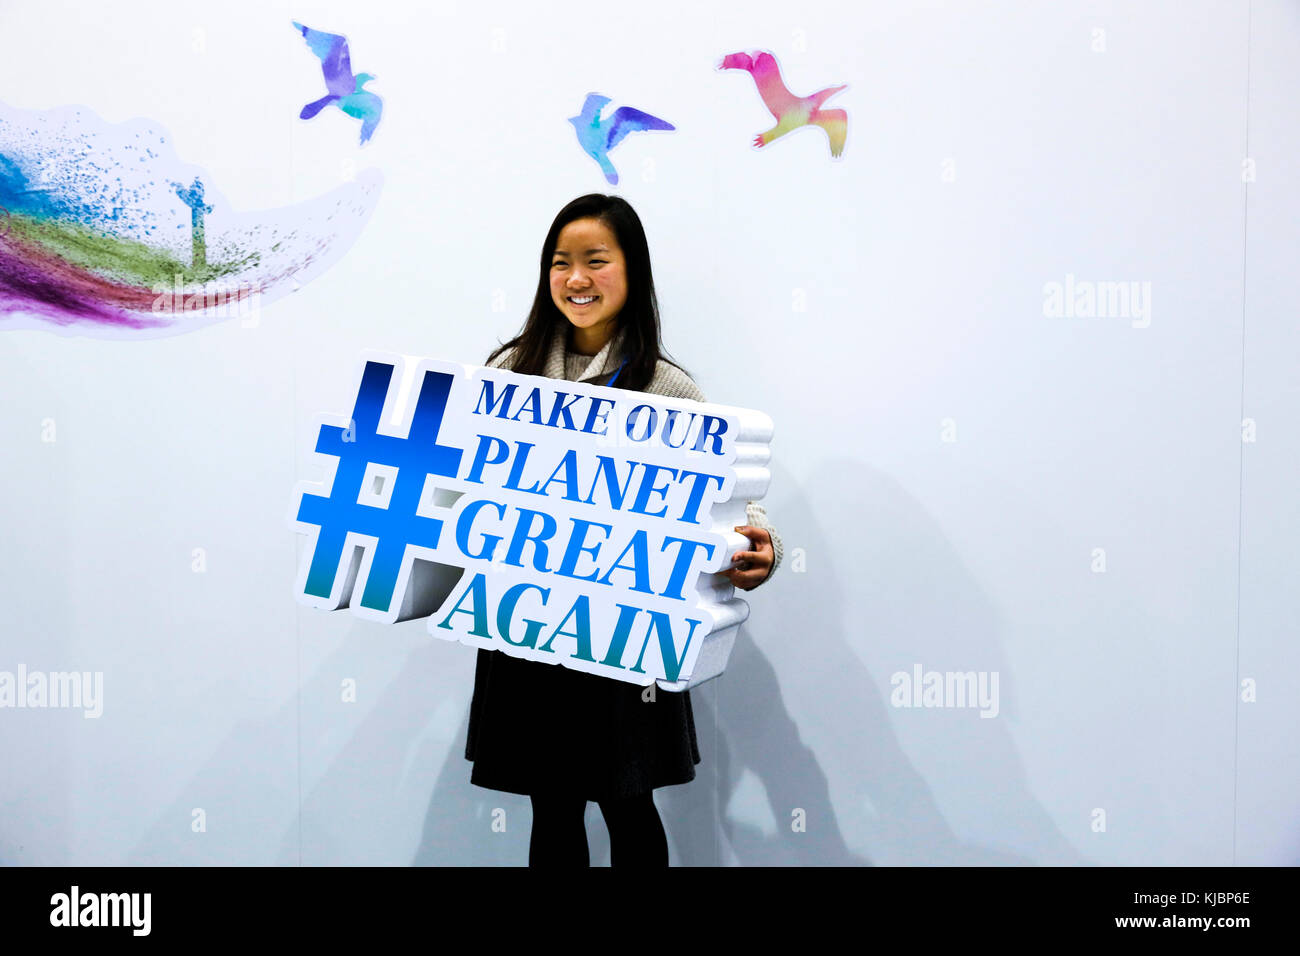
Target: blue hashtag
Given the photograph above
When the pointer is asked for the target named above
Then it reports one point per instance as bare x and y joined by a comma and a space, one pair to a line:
397, 525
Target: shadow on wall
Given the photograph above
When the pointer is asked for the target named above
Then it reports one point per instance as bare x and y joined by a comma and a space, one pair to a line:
891, 585
797, 709
906, 585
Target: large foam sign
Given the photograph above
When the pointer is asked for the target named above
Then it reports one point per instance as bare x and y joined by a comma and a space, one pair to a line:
557, 521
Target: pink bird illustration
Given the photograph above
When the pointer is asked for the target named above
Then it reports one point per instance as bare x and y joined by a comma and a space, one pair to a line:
791, 112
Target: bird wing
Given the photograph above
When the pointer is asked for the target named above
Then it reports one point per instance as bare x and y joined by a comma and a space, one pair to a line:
592, 106
314, 107
332, 51
628, 120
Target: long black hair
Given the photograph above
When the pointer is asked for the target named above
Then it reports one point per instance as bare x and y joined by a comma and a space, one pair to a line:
638, 319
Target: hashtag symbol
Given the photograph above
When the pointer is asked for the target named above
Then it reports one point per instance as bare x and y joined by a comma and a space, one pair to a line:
397, 525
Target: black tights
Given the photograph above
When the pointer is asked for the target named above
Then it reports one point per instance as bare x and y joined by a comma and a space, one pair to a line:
636, 834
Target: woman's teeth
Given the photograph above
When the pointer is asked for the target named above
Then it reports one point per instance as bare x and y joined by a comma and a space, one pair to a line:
582, 299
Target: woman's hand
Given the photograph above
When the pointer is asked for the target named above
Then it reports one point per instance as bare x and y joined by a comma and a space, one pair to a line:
754, 565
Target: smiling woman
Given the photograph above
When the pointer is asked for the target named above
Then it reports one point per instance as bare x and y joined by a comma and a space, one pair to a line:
589, 282
594, 319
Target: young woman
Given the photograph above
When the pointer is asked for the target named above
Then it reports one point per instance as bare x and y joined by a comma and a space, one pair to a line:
562, 736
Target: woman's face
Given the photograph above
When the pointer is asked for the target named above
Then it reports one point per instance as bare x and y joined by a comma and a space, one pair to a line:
588, 265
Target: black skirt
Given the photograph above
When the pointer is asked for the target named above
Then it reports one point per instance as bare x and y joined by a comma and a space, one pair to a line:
543, 728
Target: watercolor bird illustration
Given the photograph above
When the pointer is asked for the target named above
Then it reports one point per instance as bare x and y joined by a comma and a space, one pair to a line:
791, 112
346, 91
598, 136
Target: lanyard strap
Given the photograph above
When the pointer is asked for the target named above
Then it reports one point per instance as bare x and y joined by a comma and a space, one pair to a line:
616, 371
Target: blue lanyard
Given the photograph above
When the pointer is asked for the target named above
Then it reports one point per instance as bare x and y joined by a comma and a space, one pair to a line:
616, 371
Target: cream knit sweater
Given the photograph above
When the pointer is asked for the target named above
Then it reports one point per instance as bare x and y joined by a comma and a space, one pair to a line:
668, 380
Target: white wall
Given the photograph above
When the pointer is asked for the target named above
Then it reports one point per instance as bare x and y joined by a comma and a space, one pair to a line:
922, 302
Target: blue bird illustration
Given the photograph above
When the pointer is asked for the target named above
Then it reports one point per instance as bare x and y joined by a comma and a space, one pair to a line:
346, 91
598, 136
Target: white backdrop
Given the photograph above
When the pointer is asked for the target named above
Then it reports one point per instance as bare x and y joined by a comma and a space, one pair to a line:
963, 482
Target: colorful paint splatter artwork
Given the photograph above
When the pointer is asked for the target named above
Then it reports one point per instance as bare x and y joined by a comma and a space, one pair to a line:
790, 112
106, 233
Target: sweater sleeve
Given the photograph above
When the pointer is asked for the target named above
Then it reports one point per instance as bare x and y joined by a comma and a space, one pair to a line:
758, 518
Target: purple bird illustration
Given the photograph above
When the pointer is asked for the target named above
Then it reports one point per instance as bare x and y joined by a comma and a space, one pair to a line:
598, 136
346, 91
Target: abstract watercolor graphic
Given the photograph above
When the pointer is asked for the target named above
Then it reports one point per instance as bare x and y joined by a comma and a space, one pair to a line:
346, 91
107, 233
598, 136
791, 112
